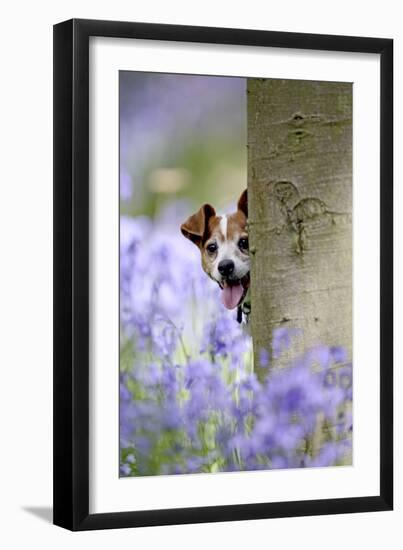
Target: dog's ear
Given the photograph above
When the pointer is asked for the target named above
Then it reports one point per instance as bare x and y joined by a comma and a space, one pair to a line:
195, 226
243, 203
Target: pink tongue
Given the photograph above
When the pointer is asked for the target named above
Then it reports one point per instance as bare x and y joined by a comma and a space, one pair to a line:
231, 295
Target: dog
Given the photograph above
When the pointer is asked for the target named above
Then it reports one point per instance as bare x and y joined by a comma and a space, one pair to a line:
224, 247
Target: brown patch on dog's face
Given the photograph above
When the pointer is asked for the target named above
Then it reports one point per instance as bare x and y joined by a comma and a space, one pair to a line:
236, 225
210, 246
195, 228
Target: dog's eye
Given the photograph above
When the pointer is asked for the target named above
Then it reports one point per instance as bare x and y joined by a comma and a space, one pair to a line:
212, 247
243, 244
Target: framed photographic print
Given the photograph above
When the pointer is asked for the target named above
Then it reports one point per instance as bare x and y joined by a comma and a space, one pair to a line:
223, 318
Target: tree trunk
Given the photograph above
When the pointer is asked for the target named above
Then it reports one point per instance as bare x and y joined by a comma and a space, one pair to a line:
300, 205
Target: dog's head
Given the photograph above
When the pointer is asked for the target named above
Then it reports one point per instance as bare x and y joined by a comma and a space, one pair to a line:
223, 243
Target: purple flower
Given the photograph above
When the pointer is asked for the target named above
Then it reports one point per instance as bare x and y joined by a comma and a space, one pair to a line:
346, 381
125, 469
189, 401
282, 338
264, 358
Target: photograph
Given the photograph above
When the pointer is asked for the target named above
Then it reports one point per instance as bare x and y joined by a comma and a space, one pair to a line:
236, 274
223, 266
200, 281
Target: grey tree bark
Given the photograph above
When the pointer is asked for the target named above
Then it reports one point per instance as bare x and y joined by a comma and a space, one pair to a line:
300, 205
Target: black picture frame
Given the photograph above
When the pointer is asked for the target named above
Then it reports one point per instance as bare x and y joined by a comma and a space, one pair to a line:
71, 274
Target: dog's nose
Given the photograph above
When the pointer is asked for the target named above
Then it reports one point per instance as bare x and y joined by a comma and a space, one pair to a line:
226, 267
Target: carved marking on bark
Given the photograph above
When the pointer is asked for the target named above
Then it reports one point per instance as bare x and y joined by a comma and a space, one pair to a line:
307, 213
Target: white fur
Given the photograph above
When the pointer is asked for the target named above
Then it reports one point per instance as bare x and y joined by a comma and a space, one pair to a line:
224, 226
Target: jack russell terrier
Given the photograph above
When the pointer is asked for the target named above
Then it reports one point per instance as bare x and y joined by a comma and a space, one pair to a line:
223, 244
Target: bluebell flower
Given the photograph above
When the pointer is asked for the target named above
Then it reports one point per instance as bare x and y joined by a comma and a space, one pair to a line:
189, 400
264, 358
124, 469
282, 338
